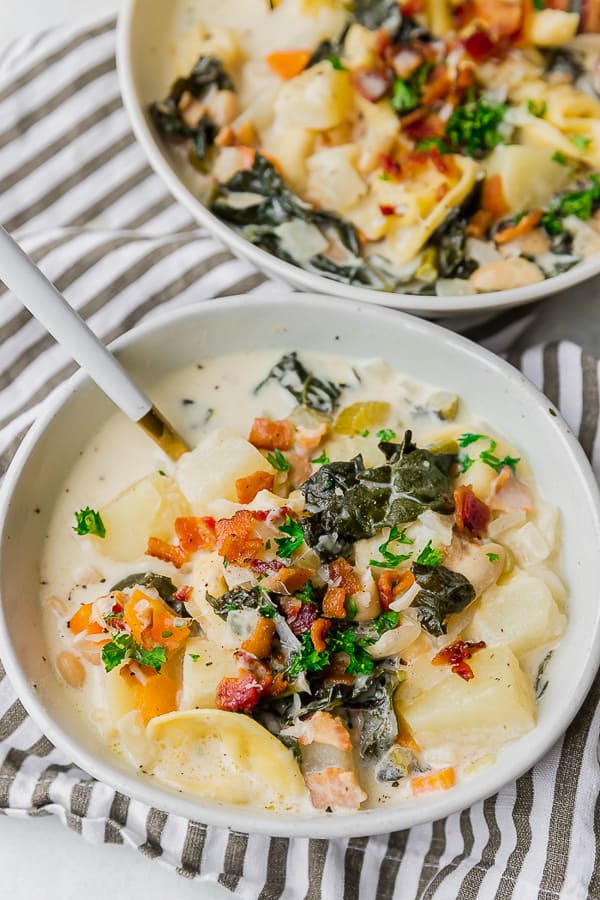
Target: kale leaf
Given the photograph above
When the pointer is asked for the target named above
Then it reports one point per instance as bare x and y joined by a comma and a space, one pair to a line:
374, 14
239, 598
379, 726
442, 593
305, 387
163, 586
348, 502
167, 116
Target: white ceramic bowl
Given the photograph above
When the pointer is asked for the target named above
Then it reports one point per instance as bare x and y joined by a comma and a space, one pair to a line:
492, 389
146, 62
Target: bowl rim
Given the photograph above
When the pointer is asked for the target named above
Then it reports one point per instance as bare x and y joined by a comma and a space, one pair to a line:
489, 302
366, 822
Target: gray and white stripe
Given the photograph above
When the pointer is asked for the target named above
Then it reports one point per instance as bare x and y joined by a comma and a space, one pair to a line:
84, 204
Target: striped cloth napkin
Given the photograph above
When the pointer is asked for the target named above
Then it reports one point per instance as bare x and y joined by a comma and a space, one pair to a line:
78, 194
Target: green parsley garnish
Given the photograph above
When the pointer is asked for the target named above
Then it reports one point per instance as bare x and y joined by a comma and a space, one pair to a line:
287, 546
124, 646
537, 109
468, 438
486, 456
466, 462
386, 621
385, 434
560, 158
404, 97
167, 634
307, 594
347, 641
493, 557
162, 472
351, 608
429, 556
267, 612
278, 461
392, 560
364, 433
433, 143
307, 659
337, 64
473, 128
194, 656
579, 141
89, 521
321, 460
573, 203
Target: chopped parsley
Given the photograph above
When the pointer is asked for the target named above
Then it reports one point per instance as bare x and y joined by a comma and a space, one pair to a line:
167, 634
469, 438
89, 521
194, 656
392, 560
386, 621
124, 646
385, 434
351, 608
347, 641
162, 472
430, 556
579, 141
364, 433
560, 158
337, 64
493, 557
307, 594
267, 612
307, 659
433, 143
474, 127
537, 109
278, 461
322, 460
287, 546
404, 97
486, 456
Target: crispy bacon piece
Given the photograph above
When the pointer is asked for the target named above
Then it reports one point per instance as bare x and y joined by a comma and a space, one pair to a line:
508, 493
423, 127
183, 594
406, 61
470, 511
238, 694
492, 197
390, 166
456, 654
291, 606
195, 533
503, 17
167, 552
334, 788
524, 226
259, 668
391, 583
305, 619
268, 434
266, 566
81, 620
438, 85
372, 84
323, 728
341, 574
318, 630
294, 579
336, 673
334, 603
247, 488
309, 438
479, 45
300, 469
235, 538
277, 686
260, 641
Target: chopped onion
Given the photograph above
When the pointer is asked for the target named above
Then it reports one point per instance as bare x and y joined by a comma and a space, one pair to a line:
404, 600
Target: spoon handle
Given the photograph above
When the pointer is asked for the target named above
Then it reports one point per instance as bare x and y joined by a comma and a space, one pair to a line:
45, 302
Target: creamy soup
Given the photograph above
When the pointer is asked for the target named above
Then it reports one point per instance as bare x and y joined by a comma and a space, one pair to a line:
428, 147
343, 596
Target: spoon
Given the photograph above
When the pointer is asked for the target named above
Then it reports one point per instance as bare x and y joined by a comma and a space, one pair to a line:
49, 307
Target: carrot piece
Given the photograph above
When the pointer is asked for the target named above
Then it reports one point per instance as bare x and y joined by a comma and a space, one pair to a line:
195, 533
433, 781
391, 583
268, 434
525, 224
152, 623
156, 697
166, 552
492, 198
259, 642
479, 223
334, 603
247, 488
81, 621
288, 63
318, 630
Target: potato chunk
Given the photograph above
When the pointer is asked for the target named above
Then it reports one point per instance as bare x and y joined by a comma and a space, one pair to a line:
495, 706
530, 177
205, 663
318, 98
333, 182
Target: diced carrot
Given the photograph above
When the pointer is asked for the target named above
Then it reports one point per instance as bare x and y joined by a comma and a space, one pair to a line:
247, 488
156, 697
433, 781
166, 552
479, 223
503, 17
268, 434
288, 63
81, 621
235, 540
260, 641
492, 198
525, 224
334, 603
195, 533
153, 623
318, 630
391, 583
341, 574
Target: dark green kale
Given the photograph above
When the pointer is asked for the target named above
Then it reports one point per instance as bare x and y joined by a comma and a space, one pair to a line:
375, 14
407, 92
240, 598
167, 116
450, 239
304, 387
379, 723
329, 49
163, 586
582, 203
347, 502
442, 593
569, 62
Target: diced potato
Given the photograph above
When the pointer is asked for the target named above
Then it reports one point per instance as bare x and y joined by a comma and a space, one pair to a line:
211, 470
219, 42
530, 177
479, 476
205, 663
521, 614
360, 47
333, 182
551, 27
291, 146
380, 127
527, 544
495, 706
439, 18
319, 98
366, 215
147, 508
207, 578
120, 697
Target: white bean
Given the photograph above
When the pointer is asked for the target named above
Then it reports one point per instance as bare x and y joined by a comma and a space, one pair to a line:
505, 274
70, 669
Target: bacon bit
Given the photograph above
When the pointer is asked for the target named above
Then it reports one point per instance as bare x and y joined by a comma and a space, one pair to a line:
386, 210
291, 606
417, 160
390, 166
318, 630
423, 127
300, 468
525, 224
433, 781
334, 603
266, 566
304, 620
508, 493
372, 84
503, 17
323, 728
238, 694
438, 85
479, 223
341, 574
267, 434
310, 438
247, 488
492, 197
479, 45
405, 62
234, 538
260, 641
334, 788
336, 673
183, 594
167, 552
470, 511
413, 7
294, 579
465, 76
391, 583
455, 655
277, 687
261, 669
195, 533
